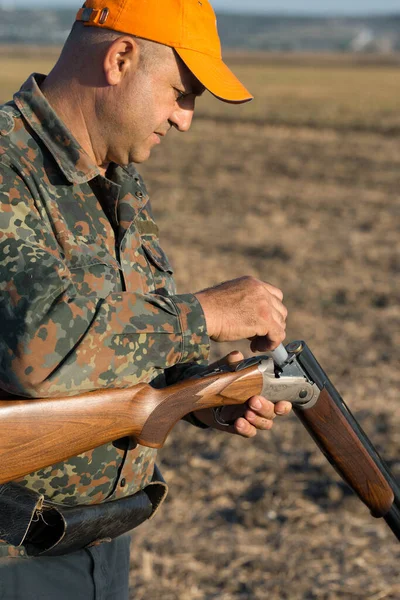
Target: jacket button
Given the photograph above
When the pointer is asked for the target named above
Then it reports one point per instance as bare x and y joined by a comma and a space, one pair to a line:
123, 482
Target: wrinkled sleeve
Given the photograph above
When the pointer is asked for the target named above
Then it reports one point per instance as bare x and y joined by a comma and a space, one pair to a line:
55, 340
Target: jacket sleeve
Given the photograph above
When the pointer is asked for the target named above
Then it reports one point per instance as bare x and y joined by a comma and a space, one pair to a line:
54, 340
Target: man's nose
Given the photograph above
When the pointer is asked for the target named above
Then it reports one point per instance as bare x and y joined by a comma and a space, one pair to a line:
182, 117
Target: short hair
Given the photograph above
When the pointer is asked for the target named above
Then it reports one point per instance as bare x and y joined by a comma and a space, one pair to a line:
84, 41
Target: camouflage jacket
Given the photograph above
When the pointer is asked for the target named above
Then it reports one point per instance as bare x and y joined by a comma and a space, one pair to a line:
87, 296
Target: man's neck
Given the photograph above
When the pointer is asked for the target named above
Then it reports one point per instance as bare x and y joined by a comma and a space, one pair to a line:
73, 108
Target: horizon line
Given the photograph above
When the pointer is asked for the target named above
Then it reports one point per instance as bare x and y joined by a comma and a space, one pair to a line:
233, 11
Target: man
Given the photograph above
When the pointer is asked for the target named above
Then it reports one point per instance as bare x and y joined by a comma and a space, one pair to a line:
87, 295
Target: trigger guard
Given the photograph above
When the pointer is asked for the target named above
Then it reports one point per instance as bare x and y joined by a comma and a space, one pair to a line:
218, 417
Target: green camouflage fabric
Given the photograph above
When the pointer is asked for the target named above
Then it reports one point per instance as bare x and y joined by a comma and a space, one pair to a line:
87, 296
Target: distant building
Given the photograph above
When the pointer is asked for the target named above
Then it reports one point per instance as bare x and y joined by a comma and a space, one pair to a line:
362, 40
367, 41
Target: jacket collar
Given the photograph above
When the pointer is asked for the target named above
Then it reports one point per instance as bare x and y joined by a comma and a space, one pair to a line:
73, 161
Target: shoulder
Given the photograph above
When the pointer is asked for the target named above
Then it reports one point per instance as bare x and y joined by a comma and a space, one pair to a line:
9, 115
17, 145
12, 148
7, 120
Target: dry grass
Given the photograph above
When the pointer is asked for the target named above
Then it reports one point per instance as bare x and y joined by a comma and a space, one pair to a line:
342, 95
302, 199
16, 64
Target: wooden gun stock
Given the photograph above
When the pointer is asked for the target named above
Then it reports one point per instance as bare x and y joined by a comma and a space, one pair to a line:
38, 433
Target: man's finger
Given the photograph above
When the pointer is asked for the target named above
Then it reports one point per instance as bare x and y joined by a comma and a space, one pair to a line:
229, 359
282, 408
280, 308
234, 357
273, 290
243, 428
262, 407
266, 343
260, 423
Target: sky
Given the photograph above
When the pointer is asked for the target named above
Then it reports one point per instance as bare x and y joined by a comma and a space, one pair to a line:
260, 6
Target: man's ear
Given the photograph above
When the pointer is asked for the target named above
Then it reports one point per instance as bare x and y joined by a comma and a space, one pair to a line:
122, 56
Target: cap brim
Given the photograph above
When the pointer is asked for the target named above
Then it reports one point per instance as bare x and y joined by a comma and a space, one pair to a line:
215, 76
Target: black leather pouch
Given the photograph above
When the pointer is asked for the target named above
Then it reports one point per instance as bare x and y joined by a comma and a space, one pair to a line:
19, 508
60, 530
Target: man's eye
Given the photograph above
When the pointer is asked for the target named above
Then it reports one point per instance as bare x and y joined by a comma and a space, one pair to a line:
180, 95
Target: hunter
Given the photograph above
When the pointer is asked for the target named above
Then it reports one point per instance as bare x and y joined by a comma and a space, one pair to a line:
88, 299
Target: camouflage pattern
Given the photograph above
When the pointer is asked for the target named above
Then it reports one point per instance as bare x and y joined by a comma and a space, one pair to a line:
87, 297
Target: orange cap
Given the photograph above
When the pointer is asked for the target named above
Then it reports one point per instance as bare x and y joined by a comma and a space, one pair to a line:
188, 26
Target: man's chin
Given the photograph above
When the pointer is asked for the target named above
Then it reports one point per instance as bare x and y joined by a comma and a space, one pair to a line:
140, 157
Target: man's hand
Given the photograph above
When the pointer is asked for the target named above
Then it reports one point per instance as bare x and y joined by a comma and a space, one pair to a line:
245, 308
257, 414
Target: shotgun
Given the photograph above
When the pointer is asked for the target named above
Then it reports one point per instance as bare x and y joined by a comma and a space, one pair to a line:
38, 433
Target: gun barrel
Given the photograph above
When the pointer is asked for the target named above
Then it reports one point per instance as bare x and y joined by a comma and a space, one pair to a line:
347, 446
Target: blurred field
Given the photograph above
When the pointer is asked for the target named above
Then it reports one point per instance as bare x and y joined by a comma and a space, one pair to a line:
320, 94
300, 188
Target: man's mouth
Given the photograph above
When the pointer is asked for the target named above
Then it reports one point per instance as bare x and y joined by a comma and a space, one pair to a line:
162, 133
